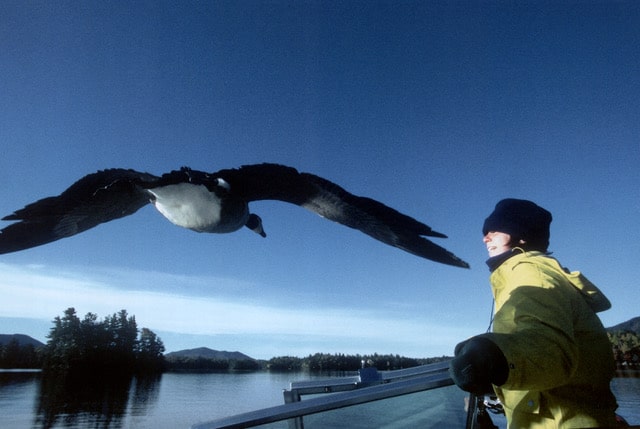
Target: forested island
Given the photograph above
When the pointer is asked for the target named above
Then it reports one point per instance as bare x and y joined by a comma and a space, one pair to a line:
115, 345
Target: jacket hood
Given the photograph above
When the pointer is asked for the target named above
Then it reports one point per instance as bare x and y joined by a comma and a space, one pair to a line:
590, 292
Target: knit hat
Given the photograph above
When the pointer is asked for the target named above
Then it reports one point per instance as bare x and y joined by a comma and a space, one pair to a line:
523, 220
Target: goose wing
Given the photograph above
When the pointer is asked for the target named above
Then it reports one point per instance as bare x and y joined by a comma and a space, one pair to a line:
96, 198
329, 200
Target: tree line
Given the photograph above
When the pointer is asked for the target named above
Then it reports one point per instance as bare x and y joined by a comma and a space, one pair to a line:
345, 362
626, 349
23, 356
204, 364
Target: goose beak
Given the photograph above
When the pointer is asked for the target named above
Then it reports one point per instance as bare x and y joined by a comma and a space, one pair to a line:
254, 223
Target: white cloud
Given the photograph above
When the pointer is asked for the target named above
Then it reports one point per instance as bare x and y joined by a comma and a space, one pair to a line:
41, 293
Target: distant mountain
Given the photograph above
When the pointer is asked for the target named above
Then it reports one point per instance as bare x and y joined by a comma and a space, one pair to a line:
23, 340
632, 325
207, 353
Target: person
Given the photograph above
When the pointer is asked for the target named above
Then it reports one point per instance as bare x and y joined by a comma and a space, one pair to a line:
548, 357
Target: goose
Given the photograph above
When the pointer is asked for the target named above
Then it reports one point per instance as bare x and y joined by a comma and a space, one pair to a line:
213, 203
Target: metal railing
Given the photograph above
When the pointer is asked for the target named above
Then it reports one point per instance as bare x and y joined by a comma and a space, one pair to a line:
369, 386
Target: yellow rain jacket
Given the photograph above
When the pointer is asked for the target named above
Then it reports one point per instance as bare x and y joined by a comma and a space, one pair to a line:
560, 358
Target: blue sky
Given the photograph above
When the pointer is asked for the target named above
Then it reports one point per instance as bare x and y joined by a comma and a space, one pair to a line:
438, 109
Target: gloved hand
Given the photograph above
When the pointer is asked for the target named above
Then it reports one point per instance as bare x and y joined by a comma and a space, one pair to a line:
478, 363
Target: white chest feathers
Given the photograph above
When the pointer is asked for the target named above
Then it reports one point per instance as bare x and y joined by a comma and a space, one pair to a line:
193, 207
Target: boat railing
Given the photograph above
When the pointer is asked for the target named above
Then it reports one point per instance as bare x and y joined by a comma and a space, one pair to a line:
370, 385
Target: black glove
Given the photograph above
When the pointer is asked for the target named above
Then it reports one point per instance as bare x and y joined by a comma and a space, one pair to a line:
478, 363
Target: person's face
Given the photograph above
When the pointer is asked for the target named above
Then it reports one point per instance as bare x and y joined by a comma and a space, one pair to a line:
497, 242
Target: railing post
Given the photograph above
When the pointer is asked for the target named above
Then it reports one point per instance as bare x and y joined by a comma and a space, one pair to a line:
289, 397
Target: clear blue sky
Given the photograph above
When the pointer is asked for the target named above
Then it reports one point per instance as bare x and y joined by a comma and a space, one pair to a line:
438, 109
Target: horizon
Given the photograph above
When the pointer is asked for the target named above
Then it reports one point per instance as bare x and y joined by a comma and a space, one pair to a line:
608, 328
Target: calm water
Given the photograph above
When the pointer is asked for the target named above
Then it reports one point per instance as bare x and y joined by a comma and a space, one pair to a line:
180, 400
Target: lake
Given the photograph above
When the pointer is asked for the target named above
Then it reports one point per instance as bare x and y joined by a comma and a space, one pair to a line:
180, 400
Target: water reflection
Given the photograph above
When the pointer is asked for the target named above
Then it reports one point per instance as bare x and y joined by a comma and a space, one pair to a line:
145, 394
90, 400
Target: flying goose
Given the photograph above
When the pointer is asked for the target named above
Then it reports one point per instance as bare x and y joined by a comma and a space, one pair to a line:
215, 203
